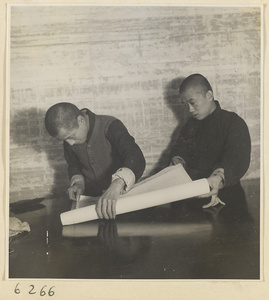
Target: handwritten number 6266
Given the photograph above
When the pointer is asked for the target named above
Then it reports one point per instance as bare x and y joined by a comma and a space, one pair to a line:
32, 290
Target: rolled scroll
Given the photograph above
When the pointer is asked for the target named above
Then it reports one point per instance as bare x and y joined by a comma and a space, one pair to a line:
141, 201
170, 176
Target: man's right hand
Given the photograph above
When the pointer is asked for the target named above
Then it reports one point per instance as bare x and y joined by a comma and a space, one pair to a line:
177, 160
76, 187
75, 191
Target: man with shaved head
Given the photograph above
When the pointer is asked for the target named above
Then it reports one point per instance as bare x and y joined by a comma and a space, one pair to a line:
103, 158
214, 143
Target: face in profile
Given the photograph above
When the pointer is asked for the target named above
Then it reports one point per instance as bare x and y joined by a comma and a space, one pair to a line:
200, 104
76, 135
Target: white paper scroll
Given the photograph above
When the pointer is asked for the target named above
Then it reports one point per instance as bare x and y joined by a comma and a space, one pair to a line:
162, 188
167, 177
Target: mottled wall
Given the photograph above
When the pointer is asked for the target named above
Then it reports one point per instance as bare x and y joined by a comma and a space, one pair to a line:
127, 62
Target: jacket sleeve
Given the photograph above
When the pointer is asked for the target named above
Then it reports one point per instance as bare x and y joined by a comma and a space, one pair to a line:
179, 149
235, 157
127, 148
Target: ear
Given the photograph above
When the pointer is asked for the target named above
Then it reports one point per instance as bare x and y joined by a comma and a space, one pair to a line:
209, 95
80, 119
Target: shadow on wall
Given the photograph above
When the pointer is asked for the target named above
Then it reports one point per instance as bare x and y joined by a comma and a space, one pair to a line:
180, 111
33, 153
39, 158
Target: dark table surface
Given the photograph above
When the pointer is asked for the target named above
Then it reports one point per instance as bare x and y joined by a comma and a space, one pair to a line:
173, 241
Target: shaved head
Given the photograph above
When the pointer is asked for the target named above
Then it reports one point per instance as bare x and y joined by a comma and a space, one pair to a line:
197, 82
61, 116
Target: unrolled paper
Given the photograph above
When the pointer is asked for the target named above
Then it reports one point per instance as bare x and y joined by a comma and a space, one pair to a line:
133, 200
167, 177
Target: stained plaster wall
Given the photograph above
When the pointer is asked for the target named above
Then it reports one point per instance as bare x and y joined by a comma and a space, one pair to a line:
126, 61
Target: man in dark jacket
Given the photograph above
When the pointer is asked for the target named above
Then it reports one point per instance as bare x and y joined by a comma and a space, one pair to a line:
103, 158
214, 143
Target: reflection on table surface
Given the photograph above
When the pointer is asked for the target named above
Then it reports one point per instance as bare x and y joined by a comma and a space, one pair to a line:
174, 241
124, 229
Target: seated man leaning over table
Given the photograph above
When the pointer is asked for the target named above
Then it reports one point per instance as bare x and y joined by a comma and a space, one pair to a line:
103, 158
214, 143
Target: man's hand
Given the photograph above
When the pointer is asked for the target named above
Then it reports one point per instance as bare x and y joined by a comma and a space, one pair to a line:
215, 200
215, 183
106, 205
76, 187
177, 160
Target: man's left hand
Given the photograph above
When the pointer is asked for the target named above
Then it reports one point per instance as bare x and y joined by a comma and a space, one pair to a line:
215, 200
106, 205
215, 183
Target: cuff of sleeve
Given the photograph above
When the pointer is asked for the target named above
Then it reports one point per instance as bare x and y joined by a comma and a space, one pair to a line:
127, 176
77, 179
219, 172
